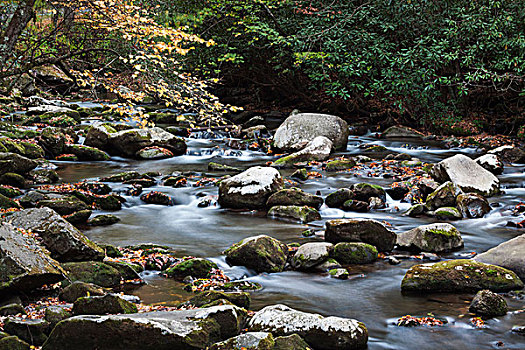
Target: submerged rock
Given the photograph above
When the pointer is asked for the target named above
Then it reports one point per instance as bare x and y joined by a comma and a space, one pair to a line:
299, 129
459, 276
487, 303
303, 213
467, 174
311, 254
360, 230
185, 330
439, 237
319, 332
261, 253
509, 254
250, 189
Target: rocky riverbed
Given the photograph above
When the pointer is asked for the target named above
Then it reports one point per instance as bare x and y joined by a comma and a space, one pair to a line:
327, 236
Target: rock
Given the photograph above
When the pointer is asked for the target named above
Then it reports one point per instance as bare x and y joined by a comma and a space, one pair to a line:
21, 147
360, 230
347, 253
6, 203
156, 197
188, 330
467, 175
338, 198
95, 272
111, 251
310, 254
247, 341
12, 179
316, 150
63, 205
260, 253
129, 142
24, 264
103, 220
212, 166
376, 203
52, 140
196, 268
121, 177
44, 109
401, 132
447, 213
98, 135
444, 196
129, 271
491, 162
489, 304
508, 254
364, 191
154, 152
299, 129
436, 238
12, 309
102, 305
240, 299
294, 196
458, 276
32, 331
13, 343
44, 176
86, 153
326, 266
290, 342
319, 332
355, 205
250, 189
509, 153
520, 330
55, 314
9, 191
303, 213
64, 242
300, 174
14, 163
340, 164
340, 273
79, 289
472, 205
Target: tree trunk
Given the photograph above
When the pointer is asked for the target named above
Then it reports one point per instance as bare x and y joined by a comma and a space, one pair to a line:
21, 18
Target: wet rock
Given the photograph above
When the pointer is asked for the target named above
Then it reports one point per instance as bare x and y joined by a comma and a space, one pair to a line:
355, 205
509, 153
13, 343
21, 147
458, 276
403, 132
14, 163
347, 253
518, 330
94, 272
360, 230
316, 150
290, 342
64, 241
103, 220
311, 254
121, 177
33, 331
247, 341
55, 314
86, 153
447, 213
303, 213
444, 196
240, 299
24, 265
6, 203
63, 205
299, 129
318, 331
98, 135
188, 329
129, 271
338, 198
340, 164
154, 152
260, 253
102, 305
437, 238
44, 176
364, 191
12, 309
294, 196
340, 273
79, 289
508, 254
376, 203
12, 179
300, 174
467, 174
156, 197
489, 304
329, 264
250, 189
491, 162
212, 166
9, 191
472, 205
52, 140
196, 268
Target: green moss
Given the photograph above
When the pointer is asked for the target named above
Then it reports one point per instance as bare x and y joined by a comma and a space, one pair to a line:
197, 268
354, 253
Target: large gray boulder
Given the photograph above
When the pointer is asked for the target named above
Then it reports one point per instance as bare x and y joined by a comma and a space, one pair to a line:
299, 129
24, 264
467, 175
162, 330
360, 230
509, 254
323, 333
316, 150
250, 189
438, 237
14, 163
63, 240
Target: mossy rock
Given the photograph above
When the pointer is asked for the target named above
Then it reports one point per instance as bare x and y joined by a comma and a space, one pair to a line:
212, 166
448, 213
247, 341
300, 174
459, 276
294, 196
339, 273
347, 253
44, 176
65, 205
291, 342
103, 220
488, 304
86, 153
438, 237
355, 205
95, 272
121, 177
10, 191
78, 217
129, 271
13, 343
241, 299
261, 253
12, 179
55, 314
444, 196
364, 191
340, 164
12, 309
32, 331
303, 213
7, 203
23, 148
79, 289
196, 268
103, 305
338, 198
111, 250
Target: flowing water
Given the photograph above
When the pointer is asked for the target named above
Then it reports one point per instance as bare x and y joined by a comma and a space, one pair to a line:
371, 295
